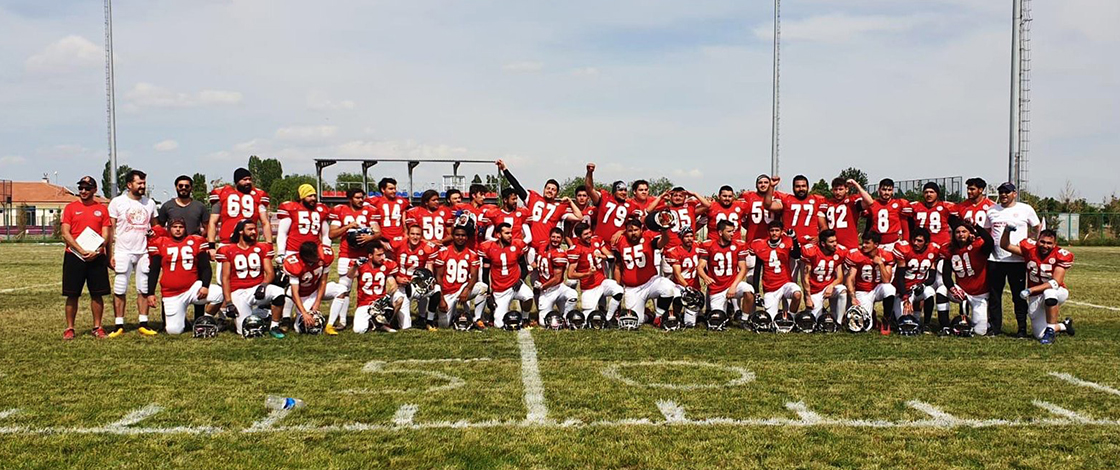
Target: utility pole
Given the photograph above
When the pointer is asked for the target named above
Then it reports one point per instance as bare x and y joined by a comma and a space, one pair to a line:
111, 99
774, 98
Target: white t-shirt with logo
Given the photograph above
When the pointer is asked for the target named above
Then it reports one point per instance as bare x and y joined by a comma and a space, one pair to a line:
1019, 215
133, 219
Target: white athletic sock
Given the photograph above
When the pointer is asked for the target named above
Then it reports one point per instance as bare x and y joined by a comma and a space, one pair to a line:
119, 320
143, 318
339, 306
1057, 326
274, 324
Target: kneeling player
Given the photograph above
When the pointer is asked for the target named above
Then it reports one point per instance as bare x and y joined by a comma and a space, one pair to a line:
774, 269
376, 280
914, 278
723, 267
1046, 290
870, 270
824, 275
247, 276
684, 258
585, 264
457, 270
185, 264
414, 252
504, 255
307, 270
967, 254
638, 273
552, 261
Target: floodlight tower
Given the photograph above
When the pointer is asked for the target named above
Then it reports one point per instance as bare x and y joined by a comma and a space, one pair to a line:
774, 97
110, 98
1019, 137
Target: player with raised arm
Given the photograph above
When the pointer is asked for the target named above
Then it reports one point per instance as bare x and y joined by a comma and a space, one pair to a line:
392, 209
636, 271
762, 204
307, 270
611, 208
1046, 292
684, 259
456, 267
842, 214
184, 261
886, 215
722, 266
302, 221
247, 276
870, 272
824, 275
552, 262
975, 208
774, 270
802, 212
686, 207
412, 253
504, 256
356, 226
546, 211
585, 264
131, 215
432, 217
376, 280
967, 256
914, 279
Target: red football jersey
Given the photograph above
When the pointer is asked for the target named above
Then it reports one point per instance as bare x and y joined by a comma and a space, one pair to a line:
586, 260
776, 271
550, 258
686, 217
1039, 270
916, 266
433, 224
504, 269
410, 258
246, 264
723, 262
935, 219
977, 213
545, 215
457, 267
516, 219
970, 266
822, 266
759, 218
636, 259
867, 274
235, 206
308, 276
155, 234
392, 215
344, 214
307, 224
887, 218
843, 217
611, 215
803, 216
733, 213
686, 259
177, 266
373, 281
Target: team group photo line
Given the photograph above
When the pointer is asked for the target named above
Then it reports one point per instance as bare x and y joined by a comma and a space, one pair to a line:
609, 257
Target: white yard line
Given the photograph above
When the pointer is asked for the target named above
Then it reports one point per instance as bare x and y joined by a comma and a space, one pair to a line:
404, 415
268, 423
672, 412
33, 286
1063, 412
1086, 304
135, 416
531, 380
1085, 383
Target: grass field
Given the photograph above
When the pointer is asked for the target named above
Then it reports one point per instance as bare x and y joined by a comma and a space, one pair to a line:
543, 399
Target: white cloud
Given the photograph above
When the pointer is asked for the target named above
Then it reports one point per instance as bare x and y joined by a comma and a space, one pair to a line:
66, 55
146, 95
693, 173
398, 149
165, 146
523, 67
12, 160
319, 100
585, 72
837, 27
306, 133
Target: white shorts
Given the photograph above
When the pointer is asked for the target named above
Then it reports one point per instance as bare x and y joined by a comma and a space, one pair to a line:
655, 288
1036, 308
718, 300
478, 295
521, 292
979, 315
333, 291
559, 294
362, 316
838, 302
175, 308
245, 300
589, 299
127, 264
867, 299
772, 301
752, 260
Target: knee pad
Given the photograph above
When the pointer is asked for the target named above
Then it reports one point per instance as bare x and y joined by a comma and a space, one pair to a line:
279, 301
1051, 302
941, 297
617, 297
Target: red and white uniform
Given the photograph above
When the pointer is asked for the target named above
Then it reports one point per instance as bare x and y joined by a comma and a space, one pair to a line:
777, 271
246, 264
545, 215
235, 206
457, 267
970, 272
1040, 270
843, 217
343, 215
433, 224
504, 268
803, 216
889, 220
686, 217
723, 266
392, 215
478, 215
306, 278
410, 258
550, 258
733, 213
177, 262
686, 259
307, 225
595, 286
869, 283
756, 225
976, 213
517, 219
611, 215
373, 281
916, 266
822, 273
636, 259
935, 219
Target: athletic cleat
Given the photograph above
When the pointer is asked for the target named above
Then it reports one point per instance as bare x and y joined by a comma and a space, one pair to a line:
386, 329
68, 334
946, 331
1047, 336
330, 331
99, 333
432, 327
117, 332
276, 332
144, 330
1020, 334
884, 328
480, 325
1068, 322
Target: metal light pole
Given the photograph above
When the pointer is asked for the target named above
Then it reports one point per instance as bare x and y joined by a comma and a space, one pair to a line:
774, 98
111, 98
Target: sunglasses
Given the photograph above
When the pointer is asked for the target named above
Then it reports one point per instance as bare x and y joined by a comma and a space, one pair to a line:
183, 186
83, 187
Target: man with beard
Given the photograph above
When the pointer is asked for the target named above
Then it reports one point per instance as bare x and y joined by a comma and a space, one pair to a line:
302, 221
247, 276
684, 259
761, 204
726, 207
1047, 264
432, 217
686, 206
82, 268
552, 261
377, 279
131, 215
886, 215
184, 208
824, 275
611, 208
967, 255
723, 268
230, 205
870, 272
975, 208
353, 215
801, 211
545, 210
504, 257
774, 272
516, 217
637, 271
914, 279
585, 264
1006, 267
184, 261
842, 213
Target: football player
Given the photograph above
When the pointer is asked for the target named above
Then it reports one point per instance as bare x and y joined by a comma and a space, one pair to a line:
686, 206
302, 221
456, 267
307, 270
352, 219
474, 210
510, 214
611, 208
231, 205
432, 217
931, 213
824, 275
639, 192
975, 208
726, 207
886, 215
914, 280
967, 256
503, 255
775, 269
1046, 290
546, 211
392, 209
552, 262
762, 204
585, 264
131, 215
842, 213
376, 280
247, 276
722, 266
184, 261
801, 211
412, 253
636, 270
870, 272
684, 258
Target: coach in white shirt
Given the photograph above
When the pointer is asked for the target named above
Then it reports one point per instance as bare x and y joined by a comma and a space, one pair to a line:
131, 214
1003, 266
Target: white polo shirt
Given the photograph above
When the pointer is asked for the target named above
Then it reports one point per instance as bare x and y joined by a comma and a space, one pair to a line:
133, 219
1019, 215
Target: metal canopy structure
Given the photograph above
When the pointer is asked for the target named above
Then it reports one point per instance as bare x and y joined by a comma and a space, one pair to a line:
368, 163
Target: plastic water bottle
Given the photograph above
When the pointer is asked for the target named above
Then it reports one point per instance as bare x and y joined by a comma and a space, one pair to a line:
274, 402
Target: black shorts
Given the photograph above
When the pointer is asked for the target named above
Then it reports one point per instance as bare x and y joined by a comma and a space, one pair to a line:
77, 273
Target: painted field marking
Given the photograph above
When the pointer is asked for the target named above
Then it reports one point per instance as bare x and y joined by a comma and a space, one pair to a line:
937, 417
537, 410
1086, 304
404, 415
33, 286
378, 367
1063, 412
808, 417
672, 412
268, 423
1084, 383
613, 371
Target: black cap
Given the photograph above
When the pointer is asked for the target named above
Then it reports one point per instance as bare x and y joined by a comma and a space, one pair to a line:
240, 173
87, 181
1007, 187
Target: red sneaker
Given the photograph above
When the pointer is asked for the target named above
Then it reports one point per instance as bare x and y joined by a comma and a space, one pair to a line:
99, 333
68, 334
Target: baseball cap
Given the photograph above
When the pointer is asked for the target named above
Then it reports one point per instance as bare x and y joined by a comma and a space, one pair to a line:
619, 186
87, 181
678, 189
1007, 187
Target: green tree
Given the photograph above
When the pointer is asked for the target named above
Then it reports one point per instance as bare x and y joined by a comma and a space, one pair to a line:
568, 186
106, 177
345, 181
495, 183
200, 191
477, 179
287, 188
855, 174
265, 171
822, 188
660, 185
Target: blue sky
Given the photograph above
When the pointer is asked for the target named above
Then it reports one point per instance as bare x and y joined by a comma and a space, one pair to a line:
642, 87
